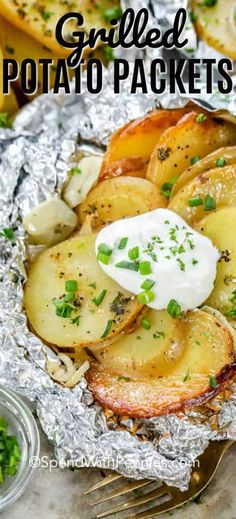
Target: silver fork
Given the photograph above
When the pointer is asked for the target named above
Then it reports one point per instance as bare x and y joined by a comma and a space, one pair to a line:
174, 498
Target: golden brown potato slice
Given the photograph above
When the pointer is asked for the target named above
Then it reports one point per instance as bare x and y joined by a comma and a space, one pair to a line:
39, 19
131, 166
88, 322
165, 369
220, 228
216, 25
208, 192
137, 139
118, 198
220, 158
193, 137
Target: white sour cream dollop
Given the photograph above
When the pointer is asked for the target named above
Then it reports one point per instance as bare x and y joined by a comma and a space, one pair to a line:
182, 262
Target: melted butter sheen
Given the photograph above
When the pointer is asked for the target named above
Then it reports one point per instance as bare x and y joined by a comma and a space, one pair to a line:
183, 262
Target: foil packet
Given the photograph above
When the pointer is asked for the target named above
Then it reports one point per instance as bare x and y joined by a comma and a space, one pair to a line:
34, 163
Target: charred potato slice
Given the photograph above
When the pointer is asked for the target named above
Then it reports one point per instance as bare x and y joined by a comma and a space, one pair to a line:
216, 25
131, 166
212, 190
221, 157
118, 198
39, 19
88, 324
192, 361
220, 228
136, 141
193, 137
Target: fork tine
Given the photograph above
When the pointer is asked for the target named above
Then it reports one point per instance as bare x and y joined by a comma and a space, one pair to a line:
105, 481
124, 490
156, 510
158, 492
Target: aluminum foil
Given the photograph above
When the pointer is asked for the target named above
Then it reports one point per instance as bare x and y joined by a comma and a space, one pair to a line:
34, 163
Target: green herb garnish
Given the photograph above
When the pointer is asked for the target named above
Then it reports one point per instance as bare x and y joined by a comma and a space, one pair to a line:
187, 376
210, 203
213, 382
201, 118
74, 171
146, 297
194, 160
145, 268
10, 452
7, 233
109, 53
133, 253
123, 243
167, 187
195, 202
147, 284
220, 162
112, 13
107, 329
174, 309
71, 286
129, 265
4, 120
145, 323
98, 300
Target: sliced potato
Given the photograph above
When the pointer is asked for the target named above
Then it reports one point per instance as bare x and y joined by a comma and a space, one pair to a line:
216, 25
50, 222
187, 141
39, 19
219, 183
131, 166
137, 139
166, 369
220, 228
75, 259
118, 198
225, 156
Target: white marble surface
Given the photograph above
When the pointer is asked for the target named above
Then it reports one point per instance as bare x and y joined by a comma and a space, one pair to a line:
59, 494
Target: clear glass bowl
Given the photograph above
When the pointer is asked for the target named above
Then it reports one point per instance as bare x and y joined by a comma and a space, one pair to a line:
22, 424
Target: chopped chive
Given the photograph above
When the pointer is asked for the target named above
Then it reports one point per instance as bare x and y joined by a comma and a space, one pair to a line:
194, 202
147, 284
107, 329
74, 171
208, 3
133, 253
63, 309
187, 376
194, 160
174, 309
201, 118
123, 243
145, 323
194, 261
220, 162
4, 120
93, 285
105, 249
193, 16
129, 265
210, 203
7, 233
145, 268
69, 298
146, 297
76, 320
103, 258
167, 187
213, 382
98, 300
71, 286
